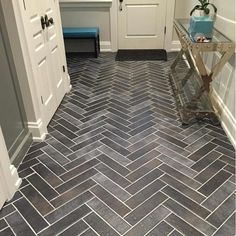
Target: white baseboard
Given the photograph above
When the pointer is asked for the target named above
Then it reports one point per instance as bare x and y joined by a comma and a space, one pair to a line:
38, 130
105, 46
15, 180
228, 122
175, 46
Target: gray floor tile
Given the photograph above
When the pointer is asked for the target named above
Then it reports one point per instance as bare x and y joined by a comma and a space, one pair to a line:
18, 225
117, 161
100, 226
182, 226
116, 205
163, 229
109, 216
218, 217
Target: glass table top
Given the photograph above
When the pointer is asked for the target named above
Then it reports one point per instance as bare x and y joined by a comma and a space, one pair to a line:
218, 37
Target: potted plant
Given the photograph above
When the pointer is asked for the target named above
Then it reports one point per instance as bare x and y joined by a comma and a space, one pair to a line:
203, 9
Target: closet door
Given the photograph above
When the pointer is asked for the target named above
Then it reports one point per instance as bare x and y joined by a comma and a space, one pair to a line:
43, 43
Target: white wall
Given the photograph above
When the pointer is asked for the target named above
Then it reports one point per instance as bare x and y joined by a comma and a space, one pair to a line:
87, 14
224, 86
182, 10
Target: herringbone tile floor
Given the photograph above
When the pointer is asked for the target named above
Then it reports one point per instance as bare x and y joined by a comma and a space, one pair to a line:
118, 162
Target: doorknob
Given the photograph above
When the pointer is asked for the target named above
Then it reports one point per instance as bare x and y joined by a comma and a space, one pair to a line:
49, 21
43, 22
120, 8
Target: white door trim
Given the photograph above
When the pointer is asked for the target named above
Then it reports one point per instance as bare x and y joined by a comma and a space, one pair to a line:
9, 179
170, 15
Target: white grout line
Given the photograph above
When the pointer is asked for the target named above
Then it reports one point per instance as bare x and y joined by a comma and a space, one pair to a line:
24, 221
213, 212
56, 151
198, 193
179, 154
115, 136
163, 220
203, 170
155, 139
202, 184
224, 223
64, 182
186, 197
68, 213
161, 204
186, 223
184, 175
73, 198
102, 220
85, 137
197, 149
143, 157
208, 197
132, 195
94, 178
40, 195
81, 164
119, 165
60, 144
147, 199
213, 150
123, 203
187, 209
143, 177
143, 166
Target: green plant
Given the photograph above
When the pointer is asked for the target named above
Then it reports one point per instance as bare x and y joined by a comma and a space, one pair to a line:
204, 6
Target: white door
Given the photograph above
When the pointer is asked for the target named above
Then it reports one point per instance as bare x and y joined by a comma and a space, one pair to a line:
44, 47
9, 179
141, 24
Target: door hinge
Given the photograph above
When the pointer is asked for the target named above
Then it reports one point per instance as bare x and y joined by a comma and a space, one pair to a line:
42, 99
165, 30
24, 4
64, 68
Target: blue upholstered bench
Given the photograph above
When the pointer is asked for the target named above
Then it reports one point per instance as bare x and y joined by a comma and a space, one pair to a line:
84, 33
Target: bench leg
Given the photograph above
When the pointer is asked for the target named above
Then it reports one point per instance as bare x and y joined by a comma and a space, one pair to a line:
98, 39
97, 46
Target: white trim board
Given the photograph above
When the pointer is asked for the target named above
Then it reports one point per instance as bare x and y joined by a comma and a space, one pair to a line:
228, 122
175, 46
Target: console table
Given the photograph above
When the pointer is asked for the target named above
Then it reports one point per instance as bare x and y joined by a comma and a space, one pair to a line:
192, 87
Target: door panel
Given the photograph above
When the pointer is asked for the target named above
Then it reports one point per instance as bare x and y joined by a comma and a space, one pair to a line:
44, 49
141, 24
53, 40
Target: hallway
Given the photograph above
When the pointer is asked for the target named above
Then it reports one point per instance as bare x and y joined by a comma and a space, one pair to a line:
117, 161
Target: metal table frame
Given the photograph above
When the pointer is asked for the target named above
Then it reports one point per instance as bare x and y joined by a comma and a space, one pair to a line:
192, 52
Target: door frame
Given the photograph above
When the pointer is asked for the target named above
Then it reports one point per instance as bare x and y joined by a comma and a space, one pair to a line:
12, 14
170, 13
